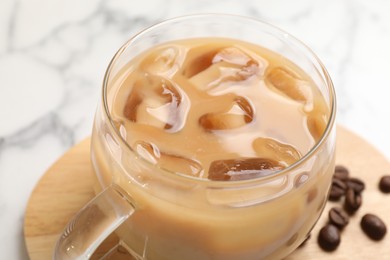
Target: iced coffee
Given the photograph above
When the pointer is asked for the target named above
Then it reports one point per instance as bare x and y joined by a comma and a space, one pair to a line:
212, 125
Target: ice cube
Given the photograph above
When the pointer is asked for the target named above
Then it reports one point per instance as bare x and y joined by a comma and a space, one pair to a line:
317, 117
242, 169
163, 61
180, 165
316, 122
233, 56
148, 151
284, 154
198, 60
290, 84
134, 99
228, 65
237, 114
170, 162
120, 126
154, 101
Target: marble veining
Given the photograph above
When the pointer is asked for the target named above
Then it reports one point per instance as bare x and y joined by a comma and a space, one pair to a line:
53, 55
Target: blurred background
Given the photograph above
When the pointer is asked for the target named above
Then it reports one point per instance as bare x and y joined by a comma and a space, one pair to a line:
53, 55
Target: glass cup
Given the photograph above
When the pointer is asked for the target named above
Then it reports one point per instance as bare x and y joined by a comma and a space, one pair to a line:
162, 215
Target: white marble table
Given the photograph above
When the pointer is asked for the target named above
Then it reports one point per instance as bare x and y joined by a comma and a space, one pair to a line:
53, 54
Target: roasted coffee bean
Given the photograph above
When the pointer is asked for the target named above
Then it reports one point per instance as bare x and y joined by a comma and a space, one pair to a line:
337, 189
353, 200
384, 184
329, 238
356, 184
341, 173
373, 226
338, 217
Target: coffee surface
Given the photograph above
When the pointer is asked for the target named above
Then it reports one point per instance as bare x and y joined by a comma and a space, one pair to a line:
218, 108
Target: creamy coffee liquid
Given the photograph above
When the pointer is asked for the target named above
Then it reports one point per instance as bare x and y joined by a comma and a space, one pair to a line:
219, 109
214, 111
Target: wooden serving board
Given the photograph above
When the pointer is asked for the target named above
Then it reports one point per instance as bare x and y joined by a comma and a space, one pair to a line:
68, 185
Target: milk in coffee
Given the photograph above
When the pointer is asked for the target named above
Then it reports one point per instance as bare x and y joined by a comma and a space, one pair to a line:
201, 111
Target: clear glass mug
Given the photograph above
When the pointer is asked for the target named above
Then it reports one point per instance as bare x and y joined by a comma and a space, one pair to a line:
161, 215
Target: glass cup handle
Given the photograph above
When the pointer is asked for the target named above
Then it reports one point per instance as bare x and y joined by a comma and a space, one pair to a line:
94, 223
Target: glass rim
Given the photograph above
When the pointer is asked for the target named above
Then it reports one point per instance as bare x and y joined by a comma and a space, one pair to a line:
325, 77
